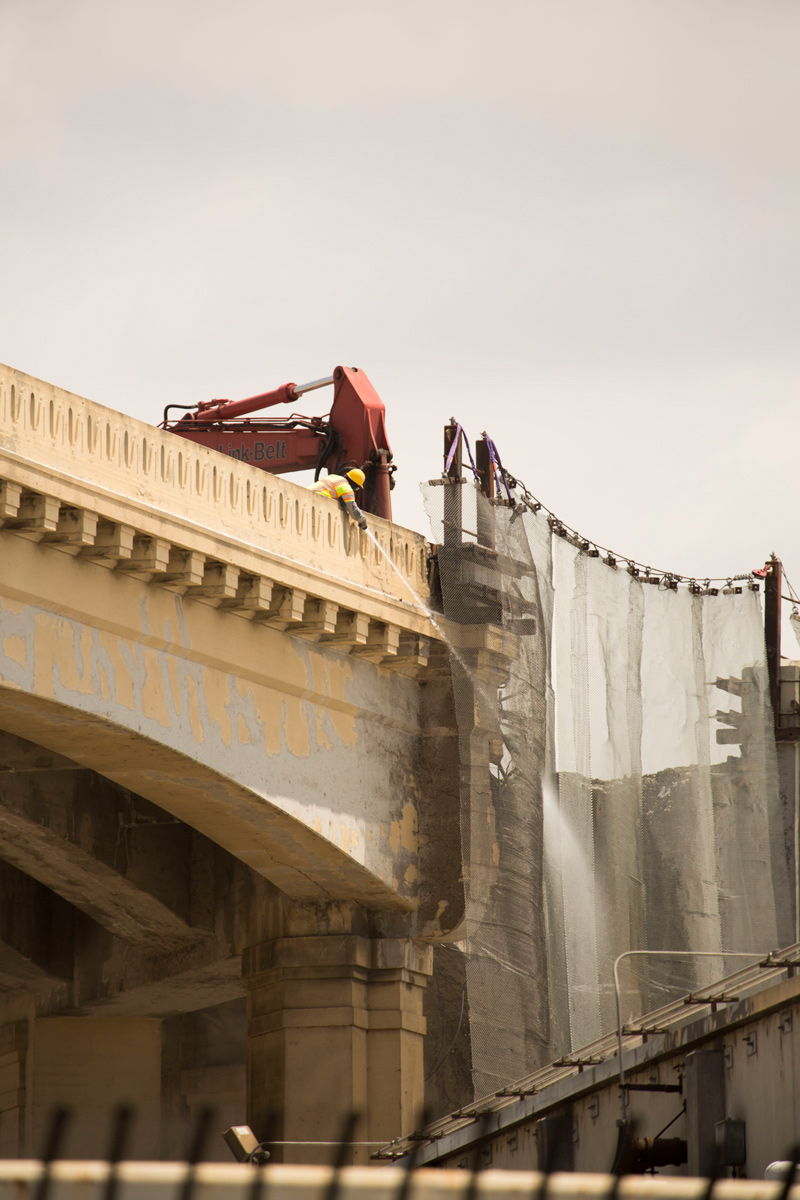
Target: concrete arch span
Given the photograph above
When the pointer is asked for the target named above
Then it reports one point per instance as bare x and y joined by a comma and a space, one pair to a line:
295, 858
301, 760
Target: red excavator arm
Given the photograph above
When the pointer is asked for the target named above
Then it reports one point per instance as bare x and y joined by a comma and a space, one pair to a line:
353, 433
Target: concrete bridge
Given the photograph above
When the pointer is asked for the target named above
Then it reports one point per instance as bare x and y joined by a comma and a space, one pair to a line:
228, 764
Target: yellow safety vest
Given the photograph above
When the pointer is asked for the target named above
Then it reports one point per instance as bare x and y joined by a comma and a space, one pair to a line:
335, 486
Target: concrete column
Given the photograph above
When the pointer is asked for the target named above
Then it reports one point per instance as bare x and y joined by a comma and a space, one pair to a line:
334, 1025
704, 1089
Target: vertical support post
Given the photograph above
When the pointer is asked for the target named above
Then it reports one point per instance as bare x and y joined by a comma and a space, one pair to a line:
485, 526
378, 491
334, 1027
452, 488
773, 586
555, 1141
704, 1089
483, 463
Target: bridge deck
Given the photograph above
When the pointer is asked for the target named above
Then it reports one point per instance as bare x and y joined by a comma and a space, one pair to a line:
94, 482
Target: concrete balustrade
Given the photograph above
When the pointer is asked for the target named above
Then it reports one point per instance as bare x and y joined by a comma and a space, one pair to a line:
95, 483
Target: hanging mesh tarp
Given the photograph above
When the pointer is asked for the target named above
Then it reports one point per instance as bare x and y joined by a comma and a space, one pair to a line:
618, 782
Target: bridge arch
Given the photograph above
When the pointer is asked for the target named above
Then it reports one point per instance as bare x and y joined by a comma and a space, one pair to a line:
297, 859
264, 743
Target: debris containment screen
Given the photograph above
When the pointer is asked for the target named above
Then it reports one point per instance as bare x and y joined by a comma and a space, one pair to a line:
618, 785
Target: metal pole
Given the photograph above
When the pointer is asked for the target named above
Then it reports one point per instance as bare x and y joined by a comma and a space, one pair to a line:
299, 388
483, 464
453, 482
485, 527
773, 586
381, 485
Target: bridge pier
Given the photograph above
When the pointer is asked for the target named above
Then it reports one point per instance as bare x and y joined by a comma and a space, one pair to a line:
334, 1026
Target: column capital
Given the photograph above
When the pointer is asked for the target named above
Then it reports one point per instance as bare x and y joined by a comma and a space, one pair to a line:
323, 953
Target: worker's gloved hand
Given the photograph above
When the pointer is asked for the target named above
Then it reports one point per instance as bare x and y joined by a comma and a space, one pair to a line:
363, 522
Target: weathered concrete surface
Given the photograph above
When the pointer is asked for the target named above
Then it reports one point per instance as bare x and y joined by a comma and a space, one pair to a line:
92, 1067
62, 826
99, 485
79, 979
153, 649
258, 750
352, 1003
227, 734
112, 903
326, 988
35, 935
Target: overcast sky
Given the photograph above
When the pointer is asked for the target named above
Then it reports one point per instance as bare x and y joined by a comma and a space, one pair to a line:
573, 223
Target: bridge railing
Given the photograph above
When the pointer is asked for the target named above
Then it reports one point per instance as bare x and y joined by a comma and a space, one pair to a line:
112, 488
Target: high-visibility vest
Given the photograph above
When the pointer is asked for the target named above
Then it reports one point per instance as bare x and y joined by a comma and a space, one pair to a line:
335, 486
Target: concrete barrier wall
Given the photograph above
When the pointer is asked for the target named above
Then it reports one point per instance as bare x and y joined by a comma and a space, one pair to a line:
84, 454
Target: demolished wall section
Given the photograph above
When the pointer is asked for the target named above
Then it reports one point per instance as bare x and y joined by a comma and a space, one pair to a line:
618, 783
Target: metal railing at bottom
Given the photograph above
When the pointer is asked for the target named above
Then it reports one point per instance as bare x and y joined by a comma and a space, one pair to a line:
77, 1180
114, 1178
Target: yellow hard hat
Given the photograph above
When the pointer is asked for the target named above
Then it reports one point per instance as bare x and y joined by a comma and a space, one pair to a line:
357, 476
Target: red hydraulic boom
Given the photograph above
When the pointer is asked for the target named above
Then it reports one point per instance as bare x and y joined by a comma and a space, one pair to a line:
352, 434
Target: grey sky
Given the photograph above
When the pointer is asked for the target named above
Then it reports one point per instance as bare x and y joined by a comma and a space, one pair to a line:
572, 223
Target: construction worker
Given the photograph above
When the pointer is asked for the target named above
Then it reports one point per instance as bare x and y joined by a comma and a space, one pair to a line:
338, 488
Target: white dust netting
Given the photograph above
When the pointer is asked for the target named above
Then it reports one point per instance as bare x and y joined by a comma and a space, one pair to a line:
618, 783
